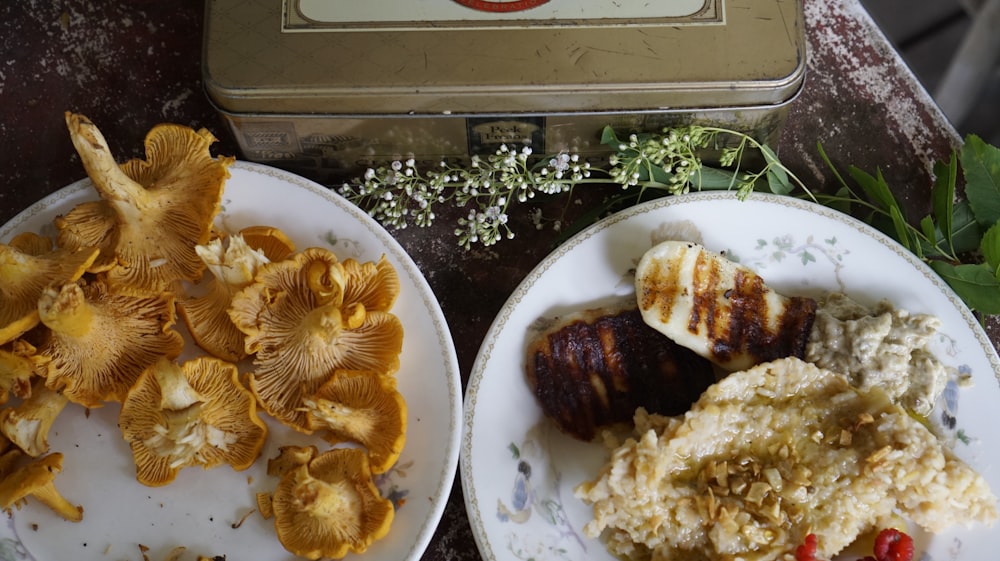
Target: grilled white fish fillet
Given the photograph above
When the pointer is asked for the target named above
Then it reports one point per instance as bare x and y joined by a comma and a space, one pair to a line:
719, 309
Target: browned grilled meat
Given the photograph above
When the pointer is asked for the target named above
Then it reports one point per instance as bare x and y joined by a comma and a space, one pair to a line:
592, 369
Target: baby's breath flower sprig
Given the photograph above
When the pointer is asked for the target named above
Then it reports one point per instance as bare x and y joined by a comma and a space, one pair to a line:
668, 163
398, 193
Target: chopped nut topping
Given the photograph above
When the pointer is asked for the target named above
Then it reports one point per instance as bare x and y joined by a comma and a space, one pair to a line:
845, 437
758, 490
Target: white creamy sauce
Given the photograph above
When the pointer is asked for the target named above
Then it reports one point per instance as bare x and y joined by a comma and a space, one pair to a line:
880, 347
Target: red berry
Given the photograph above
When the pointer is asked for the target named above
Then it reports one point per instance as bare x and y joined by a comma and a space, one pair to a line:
893, 545
807, 551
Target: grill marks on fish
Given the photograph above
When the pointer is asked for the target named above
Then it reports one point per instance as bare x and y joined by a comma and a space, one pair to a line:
718, 308
593, 369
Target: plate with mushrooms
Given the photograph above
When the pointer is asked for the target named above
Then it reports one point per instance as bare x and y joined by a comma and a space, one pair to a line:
202, 358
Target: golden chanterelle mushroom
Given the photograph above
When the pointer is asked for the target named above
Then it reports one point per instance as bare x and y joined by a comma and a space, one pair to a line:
153, 212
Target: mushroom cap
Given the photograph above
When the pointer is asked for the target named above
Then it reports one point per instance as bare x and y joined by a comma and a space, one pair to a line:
207, 319
373, 284
152, 212
290, 457
99, 342
197, 413
301, 331
271, 240
364, 408
330, 506
31, 243
233, 264
25, 271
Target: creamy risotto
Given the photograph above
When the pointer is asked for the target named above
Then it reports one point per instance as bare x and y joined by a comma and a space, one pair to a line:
769, 455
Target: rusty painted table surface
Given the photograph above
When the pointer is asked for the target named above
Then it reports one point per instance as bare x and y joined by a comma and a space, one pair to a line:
130, 65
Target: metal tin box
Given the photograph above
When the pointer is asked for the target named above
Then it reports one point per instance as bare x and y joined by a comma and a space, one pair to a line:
328, 88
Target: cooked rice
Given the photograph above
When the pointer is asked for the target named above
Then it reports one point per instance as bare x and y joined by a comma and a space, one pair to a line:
769, 455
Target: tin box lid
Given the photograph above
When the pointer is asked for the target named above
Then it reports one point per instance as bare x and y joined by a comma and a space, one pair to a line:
385, 57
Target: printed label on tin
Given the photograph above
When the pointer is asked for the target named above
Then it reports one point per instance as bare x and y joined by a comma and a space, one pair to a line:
364, 15
487, 134
271, 140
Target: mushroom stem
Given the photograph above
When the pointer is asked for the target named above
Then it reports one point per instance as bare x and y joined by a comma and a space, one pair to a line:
99, 162
322, 499
37, 480
66, 311
324, 322
176, 394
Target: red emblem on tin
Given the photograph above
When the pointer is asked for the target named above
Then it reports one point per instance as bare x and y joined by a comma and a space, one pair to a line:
501, 6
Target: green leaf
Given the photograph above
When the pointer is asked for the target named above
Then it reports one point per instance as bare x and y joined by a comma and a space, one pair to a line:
990, 247
929, 229
777, 181
981, 164
660, 177
902, 233
709, 178
609, 138
966, 232
777, 175
876, 188
966, 235
841, 200
833, 168
976, 285
943, 197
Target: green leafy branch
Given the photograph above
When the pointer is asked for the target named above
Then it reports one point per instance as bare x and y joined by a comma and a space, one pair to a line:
960, 238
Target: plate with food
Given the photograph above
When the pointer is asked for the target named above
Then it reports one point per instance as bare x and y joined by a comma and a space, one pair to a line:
221, 360
703, 377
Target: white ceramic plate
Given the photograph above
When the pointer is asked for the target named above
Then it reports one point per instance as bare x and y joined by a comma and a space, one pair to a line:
198, 510
518, 471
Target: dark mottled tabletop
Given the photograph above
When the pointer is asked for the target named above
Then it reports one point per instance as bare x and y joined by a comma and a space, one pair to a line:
131, 65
